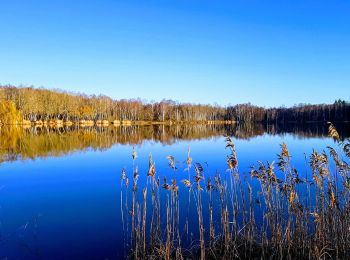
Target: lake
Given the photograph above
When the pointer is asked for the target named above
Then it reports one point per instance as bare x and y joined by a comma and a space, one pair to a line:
60, 189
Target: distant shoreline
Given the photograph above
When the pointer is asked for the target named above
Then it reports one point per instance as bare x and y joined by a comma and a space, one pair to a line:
27, 105
116, 123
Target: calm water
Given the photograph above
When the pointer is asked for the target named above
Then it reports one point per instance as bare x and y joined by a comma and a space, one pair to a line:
60, 189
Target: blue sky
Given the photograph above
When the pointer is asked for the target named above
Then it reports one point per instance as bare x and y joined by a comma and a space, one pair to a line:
268, 53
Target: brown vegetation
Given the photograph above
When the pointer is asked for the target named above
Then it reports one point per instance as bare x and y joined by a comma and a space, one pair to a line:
302, 217
45, 105
9, 114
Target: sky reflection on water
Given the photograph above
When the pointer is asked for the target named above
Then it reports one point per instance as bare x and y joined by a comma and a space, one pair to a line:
68, 207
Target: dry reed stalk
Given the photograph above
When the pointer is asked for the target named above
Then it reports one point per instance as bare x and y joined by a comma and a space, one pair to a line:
301, 218
144, 220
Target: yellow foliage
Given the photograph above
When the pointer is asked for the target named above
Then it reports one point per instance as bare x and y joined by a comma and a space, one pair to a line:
86, 111
9, 114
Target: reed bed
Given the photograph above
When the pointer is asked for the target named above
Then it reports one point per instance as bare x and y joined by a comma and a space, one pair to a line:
272, 213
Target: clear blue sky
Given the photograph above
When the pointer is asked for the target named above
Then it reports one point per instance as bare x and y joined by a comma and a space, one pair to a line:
265, 52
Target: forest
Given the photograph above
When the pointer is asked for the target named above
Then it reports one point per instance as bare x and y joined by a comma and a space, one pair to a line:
33, 104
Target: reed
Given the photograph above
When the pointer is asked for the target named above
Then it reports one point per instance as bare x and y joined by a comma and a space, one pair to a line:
272, 213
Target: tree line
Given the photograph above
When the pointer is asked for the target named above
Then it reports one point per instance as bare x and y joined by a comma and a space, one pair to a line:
339, 111
42, 104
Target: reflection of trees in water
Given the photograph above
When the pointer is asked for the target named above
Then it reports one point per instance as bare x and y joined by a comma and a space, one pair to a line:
19, 143
247, 131
307, 130
165, 134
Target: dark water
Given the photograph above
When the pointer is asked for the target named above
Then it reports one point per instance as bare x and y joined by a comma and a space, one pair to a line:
60, 189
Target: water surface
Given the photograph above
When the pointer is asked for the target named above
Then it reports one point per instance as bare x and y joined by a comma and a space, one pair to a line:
60, 188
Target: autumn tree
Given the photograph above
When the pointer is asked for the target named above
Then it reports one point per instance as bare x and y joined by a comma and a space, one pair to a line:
43, 104
9, 114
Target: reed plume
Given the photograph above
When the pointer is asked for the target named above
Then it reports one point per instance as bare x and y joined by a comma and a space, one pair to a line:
278, 213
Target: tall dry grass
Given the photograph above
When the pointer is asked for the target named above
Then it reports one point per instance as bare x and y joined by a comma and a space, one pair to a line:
273, 213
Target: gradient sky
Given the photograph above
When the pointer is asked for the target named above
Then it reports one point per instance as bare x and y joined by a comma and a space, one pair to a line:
268, 53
